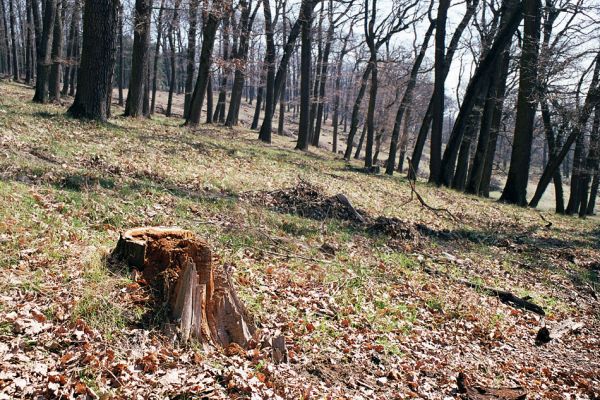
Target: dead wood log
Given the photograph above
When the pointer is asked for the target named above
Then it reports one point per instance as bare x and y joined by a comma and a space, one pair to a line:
346, 203
177, 265
475, 392
504, 296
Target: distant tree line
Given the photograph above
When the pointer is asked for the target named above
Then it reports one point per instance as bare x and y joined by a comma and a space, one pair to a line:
374, 75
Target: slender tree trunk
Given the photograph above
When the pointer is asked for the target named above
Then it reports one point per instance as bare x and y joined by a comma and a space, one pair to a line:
323, 78
424, 130
478, 85
241, 55
591, 168
209, 31
305, 63
265, 131
306, 8
13, 36
97, 60
435, 159
191, 55
139, 61
591, 101
159, 32
29, 45
576, 177
407, 100
121, 59
57, 50
282, 96
44, 53
209, 100
6, 35
360, 142
356, 110
219, 114
174, 23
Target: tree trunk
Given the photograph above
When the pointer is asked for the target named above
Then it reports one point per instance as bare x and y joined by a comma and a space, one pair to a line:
29, 45
305, 63
360, 142
424, 130
591, 101
306, 8
266, 129
159, 32
478, 85
241, 55
191, 56
356, 110
591, 167
407, 100
219, 115
209, 31
139, 60
515, 190
201, 298
174, 23
209, 100
6, 41
44, 53
13, 37
97, 60
437, 110
57, 50
121, 59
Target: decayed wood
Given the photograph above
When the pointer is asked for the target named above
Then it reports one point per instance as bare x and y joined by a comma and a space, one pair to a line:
475, 392
178, 266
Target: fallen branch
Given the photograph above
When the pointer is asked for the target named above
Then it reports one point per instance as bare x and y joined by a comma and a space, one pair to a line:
504, 296
414, 193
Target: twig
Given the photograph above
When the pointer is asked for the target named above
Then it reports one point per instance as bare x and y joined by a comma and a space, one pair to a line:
413, 189
548, 223
289, 255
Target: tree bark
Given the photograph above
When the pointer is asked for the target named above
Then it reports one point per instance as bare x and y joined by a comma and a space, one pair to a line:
241, 55
266, 130
515, 190
477, 85
209, 31
44, 53
305, 63
97, 60
424, 130
13, 37
356, 110
57, 53
191, 56
139, 59
437, 110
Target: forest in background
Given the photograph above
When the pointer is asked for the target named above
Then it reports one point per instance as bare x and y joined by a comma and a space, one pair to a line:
507, 89
299, 200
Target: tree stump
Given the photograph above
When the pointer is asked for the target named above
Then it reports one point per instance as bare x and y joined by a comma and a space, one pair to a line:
177, 265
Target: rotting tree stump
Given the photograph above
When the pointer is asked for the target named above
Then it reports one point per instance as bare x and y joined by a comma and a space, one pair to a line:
201, 299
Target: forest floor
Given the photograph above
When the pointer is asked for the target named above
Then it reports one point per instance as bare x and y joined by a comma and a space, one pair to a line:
393, 307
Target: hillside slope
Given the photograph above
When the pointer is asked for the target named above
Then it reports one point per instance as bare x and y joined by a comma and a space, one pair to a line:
394, 307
